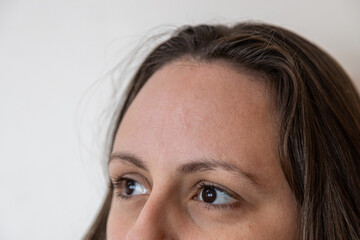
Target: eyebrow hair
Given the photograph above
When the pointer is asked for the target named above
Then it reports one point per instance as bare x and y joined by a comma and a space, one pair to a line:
198, 165
205, 164
130, 158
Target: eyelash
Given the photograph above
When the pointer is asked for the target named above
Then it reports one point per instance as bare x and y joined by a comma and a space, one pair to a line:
118, 181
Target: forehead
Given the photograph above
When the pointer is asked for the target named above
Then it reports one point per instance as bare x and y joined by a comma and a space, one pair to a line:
191, 108
194, 91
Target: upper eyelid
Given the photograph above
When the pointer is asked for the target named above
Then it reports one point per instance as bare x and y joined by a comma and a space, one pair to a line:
199, 164
119, 180
124, 176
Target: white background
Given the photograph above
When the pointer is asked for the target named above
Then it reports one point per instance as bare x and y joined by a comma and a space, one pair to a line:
53, 56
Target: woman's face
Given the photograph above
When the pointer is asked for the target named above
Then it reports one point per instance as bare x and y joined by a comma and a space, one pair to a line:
195, 157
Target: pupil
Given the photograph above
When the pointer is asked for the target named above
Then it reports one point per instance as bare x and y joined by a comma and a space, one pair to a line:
129, 186
209, 194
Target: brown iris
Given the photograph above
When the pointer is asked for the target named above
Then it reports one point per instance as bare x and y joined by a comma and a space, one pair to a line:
208, 194
129, 186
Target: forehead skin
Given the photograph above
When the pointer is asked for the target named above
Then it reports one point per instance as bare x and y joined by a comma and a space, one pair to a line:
190, 110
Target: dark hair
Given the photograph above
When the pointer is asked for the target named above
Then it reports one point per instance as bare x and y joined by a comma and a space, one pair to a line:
318, 109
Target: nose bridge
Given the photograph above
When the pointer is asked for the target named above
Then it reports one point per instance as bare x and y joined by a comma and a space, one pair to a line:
154, 220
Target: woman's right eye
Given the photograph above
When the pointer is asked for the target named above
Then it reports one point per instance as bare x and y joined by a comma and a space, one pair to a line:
126, 188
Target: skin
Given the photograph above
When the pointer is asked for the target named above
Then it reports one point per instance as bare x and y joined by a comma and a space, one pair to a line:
190, 112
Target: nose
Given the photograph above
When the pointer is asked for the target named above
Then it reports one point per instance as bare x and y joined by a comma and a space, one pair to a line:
155, 221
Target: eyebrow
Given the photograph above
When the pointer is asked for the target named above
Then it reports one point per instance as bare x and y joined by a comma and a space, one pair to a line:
197, 165
206, 164
130, 158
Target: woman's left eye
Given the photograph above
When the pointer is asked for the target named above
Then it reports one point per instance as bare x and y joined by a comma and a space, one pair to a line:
214, 195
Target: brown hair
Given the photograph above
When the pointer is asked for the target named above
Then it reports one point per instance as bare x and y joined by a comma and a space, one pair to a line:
318, 108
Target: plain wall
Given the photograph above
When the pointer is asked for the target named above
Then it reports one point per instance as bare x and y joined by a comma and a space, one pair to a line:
53, 56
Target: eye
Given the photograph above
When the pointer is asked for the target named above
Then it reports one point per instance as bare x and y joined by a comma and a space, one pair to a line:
127, 187
214, 195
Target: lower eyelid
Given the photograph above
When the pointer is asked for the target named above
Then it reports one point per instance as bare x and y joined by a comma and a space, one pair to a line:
229, 206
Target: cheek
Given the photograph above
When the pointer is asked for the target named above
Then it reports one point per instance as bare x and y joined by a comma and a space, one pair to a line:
116, 227
119, 221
